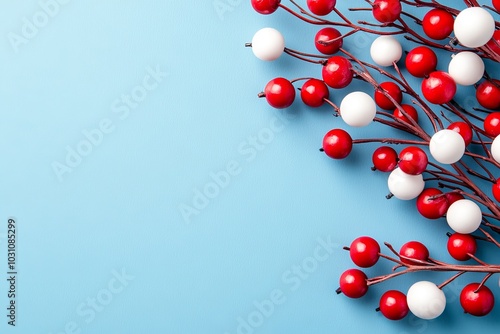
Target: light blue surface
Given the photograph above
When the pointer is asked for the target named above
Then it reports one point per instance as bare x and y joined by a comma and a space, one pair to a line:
110, 227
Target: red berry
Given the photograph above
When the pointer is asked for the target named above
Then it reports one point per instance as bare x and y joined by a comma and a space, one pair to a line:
364, 251
496, 190
421, 61
321, 7
452, 197
392, 90
414, 250
314, 92
409, 110
461, 245
494, 42
438, 24
279, 93
337, 73
488, 94
463, 129
385, 159
496, 4
325, 35
432, 204
478, 303
413, 160
393, 305
492, 124
353, 283
439, 87
386, 11
337, 144
265, 6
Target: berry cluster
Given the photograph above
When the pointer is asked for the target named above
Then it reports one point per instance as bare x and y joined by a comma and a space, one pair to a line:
453, 146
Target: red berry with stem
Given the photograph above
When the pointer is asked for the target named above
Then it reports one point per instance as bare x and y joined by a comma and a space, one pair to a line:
488, 94
337, 72
314, 92
476, 300
353, 283
413, 160
325, 35
496, 4
463, 129
438, 24
495, 189
265, 6
337, 144
385, 159
461, 246
386, 11
491, 124
421, 61
393, 305
414, 250
439, 87
392, 90
321, 7
452, 197
279, 93
364, 251
432, 203
494, 42
409, 110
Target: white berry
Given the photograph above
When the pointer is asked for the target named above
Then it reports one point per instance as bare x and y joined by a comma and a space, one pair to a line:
268, 44
466, 68
358, 109
405, 186
385, 50
464, 216
495, 149
425, 300
447, 146
474, 27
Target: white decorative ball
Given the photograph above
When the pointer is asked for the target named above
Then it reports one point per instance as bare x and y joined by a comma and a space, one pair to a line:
447, 146
466, 68
405, 186
474, 27
425, 300
464, 216
385, 50
495, 149
268, 44
358, 109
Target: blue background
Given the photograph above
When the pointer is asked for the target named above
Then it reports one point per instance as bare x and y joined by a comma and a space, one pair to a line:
120, 208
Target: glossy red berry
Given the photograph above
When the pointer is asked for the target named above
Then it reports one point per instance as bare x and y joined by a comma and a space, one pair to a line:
414, 250
386, 11
432, 204
409, 110
495, 189
321, 7
337, 144
438, 24
461, 245
494, 42
337, 73
353, 283
265, 6
325, 35
491, 124
478, 303
314, 92
421, 61
439, 87
488, 94
279, 93
496, 4
364, 251
452, 197
413, 160
392, 90
393, 305
463, 129
385, 159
